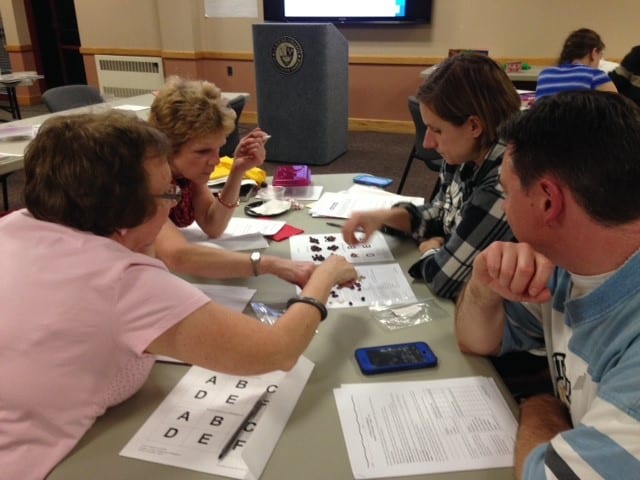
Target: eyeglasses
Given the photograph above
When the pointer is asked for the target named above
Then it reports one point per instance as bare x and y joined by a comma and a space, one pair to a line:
173, 194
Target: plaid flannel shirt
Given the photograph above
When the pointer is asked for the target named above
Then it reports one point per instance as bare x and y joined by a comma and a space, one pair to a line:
467, 212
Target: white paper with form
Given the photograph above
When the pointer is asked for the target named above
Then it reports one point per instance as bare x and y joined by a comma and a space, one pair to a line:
191, 425
379, 284
412, 428
343, 204
318, 247
240, 234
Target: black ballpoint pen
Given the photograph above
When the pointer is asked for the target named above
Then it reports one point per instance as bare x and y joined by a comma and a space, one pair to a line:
334, 224
340, 225
252, 413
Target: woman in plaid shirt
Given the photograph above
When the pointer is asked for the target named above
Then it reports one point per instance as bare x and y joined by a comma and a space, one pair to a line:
462, 103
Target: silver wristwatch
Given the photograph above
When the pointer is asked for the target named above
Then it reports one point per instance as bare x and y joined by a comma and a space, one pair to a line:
255, 261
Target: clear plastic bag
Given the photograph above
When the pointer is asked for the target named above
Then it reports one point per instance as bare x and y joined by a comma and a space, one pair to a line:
408, 314
268, 314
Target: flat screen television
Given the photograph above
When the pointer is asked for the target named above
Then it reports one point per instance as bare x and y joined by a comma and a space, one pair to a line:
345, 12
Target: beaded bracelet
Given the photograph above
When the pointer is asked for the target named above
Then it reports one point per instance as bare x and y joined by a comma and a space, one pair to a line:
310, 301
218, 196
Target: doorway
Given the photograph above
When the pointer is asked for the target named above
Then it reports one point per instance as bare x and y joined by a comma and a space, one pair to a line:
56, 41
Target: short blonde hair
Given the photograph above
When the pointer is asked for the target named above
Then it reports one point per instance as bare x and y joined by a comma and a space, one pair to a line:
186, 109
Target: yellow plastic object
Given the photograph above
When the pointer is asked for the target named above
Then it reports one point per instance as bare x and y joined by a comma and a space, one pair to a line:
223, 169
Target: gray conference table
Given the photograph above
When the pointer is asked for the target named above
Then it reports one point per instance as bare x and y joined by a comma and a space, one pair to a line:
312, 445
12, 80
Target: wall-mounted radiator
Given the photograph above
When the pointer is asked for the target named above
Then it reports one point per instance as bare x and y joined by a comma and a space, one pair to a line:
123, 76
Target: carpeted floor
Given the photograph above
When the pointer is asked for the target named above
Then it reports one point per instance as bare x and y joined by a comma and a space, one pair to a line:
383, 154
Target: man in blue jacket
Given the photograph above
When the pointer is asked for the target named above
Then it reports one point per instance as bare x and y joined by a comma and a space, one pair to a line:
571, 176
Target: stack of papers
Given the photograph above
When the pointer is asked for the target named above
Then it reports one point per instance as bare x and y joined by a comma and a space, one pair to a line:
417, 428
240, 234
357, 198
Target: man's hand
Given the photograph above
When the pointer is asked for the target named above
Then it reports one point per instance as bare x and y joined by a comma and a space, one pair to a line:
515, 271
504, 270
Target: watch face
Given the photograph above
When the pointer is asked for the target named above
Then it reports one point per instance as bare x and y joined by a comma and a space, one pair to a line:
255, 260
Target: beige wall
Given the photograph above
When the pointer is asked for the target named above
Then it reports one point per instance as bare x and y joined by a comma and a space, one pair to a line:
508, 28
384, 61
122, 23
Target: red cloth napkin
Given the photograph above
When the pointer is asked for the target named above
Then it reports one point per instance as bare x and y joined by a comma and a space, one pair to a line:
286, 232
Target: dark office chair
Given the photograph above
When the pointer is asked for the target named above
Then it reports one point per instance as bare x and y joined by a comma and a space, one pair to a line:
431, 158
57, 99
228, 148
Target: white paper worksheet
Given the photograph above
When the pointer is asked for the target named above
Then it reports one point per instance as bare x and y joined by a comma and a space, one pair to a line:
316, 248
343, 204
240, 234
416, 428
379, 284
193, 423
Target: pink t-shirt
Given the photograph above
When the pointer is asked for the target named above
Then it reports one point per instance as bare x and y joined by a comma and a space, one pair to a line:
78, 311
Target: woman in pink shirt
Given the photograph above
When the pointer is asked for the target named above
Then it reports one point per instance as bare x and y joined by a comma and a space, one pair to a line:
85, 309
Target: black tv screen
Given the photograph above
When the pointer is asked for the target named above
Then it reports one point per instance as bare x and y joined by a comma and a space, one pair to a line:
348, 11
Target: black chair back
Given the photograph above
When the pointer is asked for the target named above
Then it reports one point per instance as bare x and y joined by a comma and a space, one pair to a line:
229, 147
430, 157
66, 97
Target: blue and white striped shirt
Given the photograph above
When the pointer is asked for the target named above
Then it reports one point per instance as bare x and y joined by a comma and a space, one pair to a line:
593, 346
569, 77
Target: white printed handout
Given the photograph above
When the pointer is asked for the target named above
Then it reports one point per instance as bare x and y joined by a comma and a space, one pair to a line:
423, 427
240, 234
343, 204
316, 248
378, 285
202, 412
